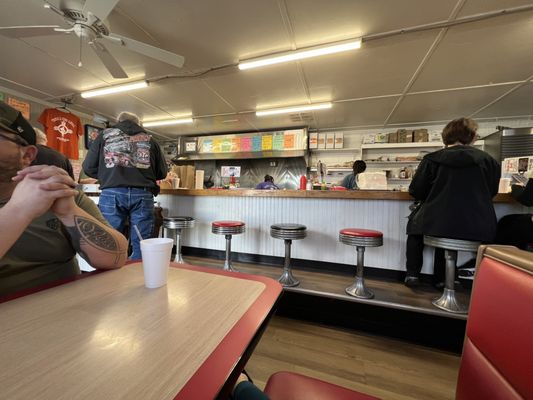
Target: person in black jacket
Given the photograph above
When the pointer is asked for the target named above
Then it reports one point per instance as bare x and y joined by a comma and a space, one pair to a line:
517, 229
455, 186
49, 156
127, 162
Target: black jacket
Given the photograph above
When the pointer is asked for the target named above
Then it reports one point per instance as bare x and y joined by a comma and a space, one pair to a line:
524, 195
49, 156
456, 186
126, 156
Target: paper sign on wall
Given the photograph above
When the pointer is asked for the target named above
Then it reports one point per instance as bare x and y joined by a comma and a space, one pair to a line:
278, 141
246, 144
266, 143
228, 171
21, 106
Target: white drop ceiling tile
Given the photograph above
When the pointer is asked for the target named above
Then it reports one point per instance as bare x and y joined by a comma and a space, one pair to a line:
34, 68
283, 121
182, 97
114, 104
482, 6
31, 12
479, 53
444, 106
269, 87
519, 102
355, 113
206, 125
210, 33
323, 21
379, 67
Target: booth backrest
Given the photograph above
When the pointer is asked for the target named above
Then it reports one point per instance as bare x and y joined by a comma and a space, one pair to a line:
497, 361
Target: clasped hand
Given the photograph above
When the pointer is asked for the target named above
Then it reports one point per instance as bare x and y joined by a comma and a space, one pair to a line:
44, 187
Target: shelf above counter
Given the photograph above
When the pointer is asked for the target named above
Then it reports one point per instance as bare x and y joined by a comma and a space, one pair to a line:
409, 145
354, 149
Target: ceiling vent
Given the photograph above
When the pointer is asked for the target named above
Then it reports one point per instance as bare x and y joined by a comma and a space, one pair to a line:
301, 117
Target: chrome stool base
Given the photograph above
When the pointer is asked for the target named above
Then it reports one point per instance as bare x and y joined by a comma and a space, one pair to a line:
228, 229
288, 232
359, 290
176, 224
448, 302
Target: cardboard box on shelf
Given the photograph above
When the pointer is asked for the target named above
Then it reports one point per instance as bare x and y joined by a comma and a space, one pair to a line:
313, 140
382, 138
186, 174
405, 136
420, 135
339, 140
199, 179
321, 140
369, 139
435, 137
393, 137
330, 140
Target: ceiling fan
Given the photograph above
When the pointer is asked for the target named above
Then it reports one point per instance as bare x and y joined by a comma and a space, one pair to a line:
86, 20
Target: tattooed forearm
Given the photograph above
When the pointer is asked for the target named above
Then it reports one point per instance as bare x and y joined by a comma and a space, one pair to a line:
93, 234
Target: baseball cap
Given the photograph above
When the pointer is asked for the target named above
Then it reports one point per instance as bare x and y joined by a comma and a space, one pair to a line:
12, 121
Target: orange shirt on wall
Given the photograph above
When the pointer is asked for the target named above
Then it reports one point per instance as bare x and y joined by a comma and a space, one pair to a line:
62, 130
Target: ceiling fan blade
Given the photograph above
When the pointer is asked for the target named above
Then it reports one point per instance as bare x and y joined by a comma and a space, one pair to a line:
29, 31
147, 50
100, 8
108, 60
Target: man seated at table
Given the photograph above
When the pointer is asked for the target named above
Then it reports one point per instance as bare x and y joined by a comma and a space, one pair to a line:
44, 221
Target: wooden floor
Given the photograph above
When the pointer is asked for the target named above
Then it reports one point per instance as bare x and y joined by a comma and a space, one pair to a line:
382, 367
327, 284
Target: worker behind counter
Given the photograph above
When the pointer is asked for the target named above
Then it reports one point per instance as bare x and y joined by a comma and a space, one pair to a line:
268, 184
350, 181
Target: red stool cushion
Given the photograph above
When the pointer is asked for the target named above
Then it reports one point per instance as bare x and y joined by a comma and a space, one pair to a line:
292, 386
228, 224
361, 232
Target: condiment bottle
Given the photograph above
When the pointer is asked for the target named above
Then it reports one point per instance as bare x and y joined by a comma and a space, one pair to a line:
303, 182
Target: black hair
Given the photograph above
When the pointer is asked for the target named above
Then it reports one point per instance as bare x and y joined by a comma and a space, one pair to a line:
359, 166
268, 178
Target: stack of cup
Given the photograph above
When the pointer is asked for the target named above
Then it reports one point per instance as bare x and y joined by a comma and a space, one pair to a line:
156, 260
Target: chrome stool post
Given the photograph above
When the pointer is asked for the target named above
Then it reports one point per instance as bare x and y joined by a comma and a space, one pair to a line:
448, 301
360, 238
176, 224
228, 229
288, 232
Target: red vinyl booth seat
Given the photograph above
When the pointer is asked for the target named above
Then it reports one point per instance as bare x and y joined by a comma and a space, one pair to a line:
361, 232
497, 361
228, 224
292, 386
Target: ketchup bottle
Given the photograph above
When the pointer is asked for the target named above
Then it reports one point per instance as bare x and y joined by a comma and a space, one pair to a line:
303, 182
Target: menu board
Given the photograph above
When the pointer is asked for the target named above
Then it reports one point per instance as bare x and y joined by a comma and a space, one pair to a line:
293, 139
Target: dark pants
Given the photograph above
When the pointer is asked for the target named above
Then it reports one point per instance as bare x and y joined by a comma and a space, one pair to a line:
415, 258
515, 230
119, 204
248, 391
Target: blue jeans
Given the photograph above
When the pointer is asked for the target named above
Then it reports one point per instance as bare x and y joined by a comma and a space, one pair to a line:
118, 204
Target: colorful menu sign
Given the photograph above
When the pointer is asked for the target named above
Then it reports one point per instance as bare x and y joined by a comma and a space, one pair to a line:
293, 139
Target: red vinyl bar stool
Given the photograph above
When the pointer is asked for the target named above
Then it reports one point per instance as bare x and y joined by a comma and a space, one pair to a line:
288, 232
361, 238
448, 301
228, 228
175, 225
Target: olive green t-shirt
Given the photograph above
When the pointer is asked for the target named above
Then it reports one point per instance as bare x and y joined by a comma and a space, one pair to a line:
43, 253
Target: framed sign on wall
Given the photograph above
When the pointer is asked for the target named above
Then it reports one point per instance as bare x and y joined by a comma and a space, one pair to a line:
91, 133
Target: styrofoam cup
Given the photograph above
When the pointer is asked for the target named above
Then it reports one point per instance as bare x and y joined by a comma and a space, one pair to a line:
156, 260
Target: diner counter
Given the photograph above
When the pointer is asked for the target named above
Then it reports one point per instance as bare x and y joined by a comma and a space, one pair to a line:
323, 212
312, 194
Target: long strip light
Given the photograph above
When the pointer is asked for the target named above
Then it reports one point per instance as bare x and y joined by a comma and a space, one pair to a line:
301, 54
114, 89
165, 122
287, 110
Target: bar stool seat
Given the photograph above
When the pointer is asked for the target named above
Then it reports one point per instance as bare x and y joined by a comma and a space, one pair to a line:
228, 229
447, 301
288, 233
360, 238
176, 224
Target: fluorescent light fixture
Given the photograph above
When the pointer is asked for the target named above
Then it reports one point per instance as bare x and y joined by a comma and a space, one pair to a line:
165, 122
301, 54
114, 89
287, 110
